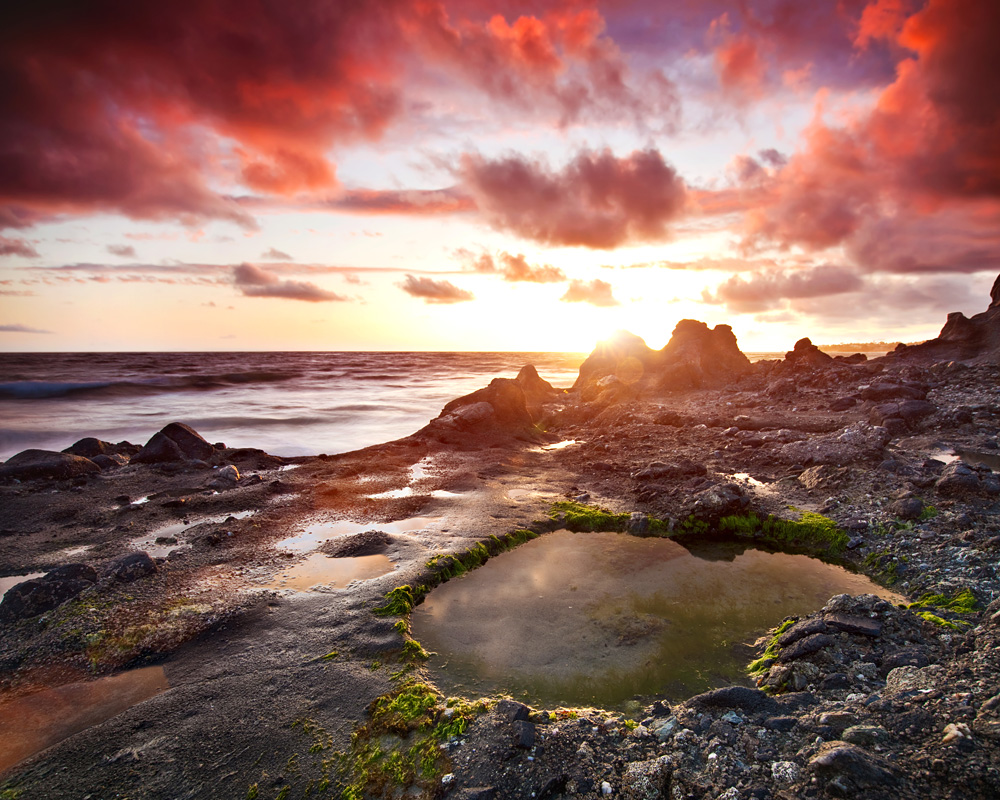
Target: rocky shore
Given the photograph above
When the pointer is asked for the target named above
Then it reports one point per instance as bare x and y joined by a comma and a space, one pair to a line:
889, 466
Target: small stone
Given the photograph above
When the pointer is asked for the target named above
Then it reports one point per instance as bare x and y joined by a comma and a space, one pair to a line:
785, 772
801, 629
511, 710
956, 731
908, 508
865, 626
130, 568
524, 733
803, 647
842, 761
646, 780
865, 735
605, 788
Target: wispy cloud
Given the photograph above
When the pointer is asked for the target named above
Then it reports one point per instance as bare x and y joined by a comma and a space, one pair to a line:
596, 292
435, 292
21, 329
273, 254
17, 247
253, 281
121, 250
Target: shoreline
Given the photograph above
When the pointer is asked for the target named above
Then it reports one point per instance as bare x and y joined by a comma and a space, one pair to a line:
667, 456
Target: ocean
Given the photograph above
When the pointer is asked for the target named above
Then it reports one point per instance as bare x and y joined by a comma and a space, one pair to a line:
289, 404
285, 403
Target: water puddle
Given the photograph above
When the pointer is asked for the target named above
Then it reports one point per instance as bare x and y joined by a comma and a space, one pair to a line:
148, 542
320, 571
596, 619
320, 532
33, 722
142, 500
556, 446
409, 491
514, 494
13, 580
73, 552
979, 458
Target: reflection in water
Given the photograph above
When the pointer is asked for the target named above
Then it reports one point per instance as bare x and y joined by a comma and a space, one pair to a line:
33, 722
147, 542
322, 570
317, 533
599, 618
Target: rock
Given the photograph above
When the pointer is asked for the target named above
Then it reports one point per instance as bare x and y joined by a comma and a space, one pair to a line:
904, 657
111, 461
228, 473
846, 761
891, 391
865, 735
801, 629
806, 354
806, 646
38, 595
536, 389
175, 442
752, 700
907, 508
781, 724
911, 679
511, 710
130, 568
956, 731
32, 464
624, 355
721, 500
368, 543
638, 524
524, 733
659, 470
700, 357
475, 793
647, 780
785, 773
90, 447
864, 626
823, 477
957, 479
502, 404
912, 411
843, 403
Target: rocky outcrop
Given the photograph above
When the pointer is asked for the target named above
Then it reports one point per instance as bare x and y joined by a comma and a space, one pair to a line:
695, 357
537, 390
498, 410
176, 442
699, 357
807, 355
90, 447
973, 340
31, 464
38, 595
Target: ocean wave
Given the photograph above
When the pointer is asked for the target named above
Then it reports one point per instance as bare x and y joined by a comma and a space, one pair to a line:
43, 390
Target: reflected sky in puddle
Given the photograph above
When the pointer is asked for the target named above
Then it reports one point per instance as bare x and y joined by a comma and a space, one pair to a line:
319, 532
319, 570
555, 446
599, 618
33, 722
147, 542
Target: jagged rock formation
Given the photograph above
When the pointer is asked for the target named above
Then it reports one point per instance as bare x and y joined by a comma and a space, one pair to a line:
806, 354
695, 357
974, 340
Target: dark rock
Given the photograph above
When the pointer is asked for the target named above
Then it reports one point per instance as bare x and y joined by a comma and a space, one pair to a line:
524, 733
175, 442
638, 524
912, 411
38, 595
843, 403
806, 646
835, 680
368, 543
796, 701
864, 626
534, 386
957, 479
752, 700
512, 710
907, 508
806, 354
781, 724
904, 657
81, 572
683, 468
501, 404
721, 500
130, 568
895, 426
841, 759
110, 461
31, 464
801, 629
891, 391
91, 447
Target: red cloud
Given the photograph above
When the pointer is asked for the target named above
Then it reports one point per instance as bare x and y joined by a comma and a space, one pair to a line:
513, 268
597, 200
738, 61
253, 281
435, 292
767, 290
596, 292
17, 247
931, 145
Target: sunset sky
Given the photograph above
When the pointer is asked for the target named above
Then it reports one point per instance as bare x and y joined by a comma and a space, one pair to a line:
466, 175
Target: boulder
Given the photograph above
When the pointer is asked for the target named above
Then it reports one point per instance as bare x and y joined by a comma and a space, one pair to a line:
807, 355
130, 568
176, 442
847, 762
958, 479
741, 697
647, 780
38, 595
721, 500
498, 409
91, 447
31, 464
624, 354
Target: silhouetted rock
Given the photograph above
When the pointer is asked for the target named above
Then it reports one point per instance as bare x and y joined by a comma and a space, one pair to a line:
806, 354
176, 442
38, 595
623, 355
30, 464
537, 390
972, 340
701, 357
90, 447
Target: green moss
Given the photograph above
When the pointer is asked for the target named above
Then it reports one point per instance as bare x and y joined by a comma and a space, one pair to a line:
253, 791
414, 651
929, 512
944, 623
811, 532
761, 665
581, 518
962, 602
398, 603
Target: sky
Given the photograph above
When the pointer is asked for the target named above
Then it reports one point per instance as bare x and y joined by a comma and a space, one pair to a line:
470, 175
